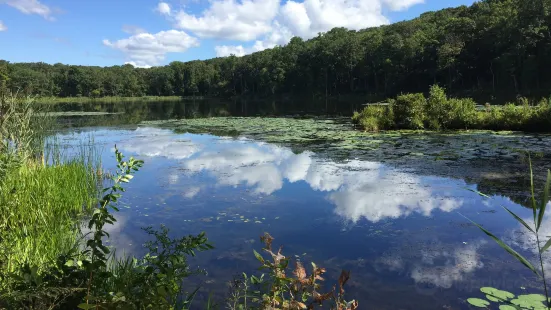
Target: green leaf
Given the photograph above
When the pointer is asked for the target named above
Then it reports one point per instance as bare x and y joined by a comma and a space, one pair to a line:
544, 200
546, 246
507, 248
508, 307
258, 256
86, 306
533, 197
479, 193
499, 294
477, 302
519, 220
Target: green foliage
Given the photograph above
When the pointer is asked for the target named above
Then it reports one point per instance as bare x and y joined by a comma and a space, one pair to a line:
493, 50
90, 276
156, 279
23, 125
437, 109
283, 288
531, 301
438, 112
409, 111
508, 301
375, 118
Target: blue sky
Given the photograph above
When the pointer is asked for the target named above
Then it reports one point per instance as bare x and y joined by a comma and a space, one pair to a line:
149, 33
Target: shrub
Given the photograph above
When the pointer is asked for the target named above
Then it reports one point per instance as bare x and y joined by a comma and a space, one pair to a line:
287, 288
436, 108
461, 114
375, 118
409, 111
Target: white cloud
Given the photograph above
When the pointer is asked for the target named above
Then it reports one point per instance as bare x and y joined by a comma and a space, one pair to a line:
30, 7
276, 25
191, 192
163, 8
228, 19
132, 29
527, 241
462, 261
158, 142
399, 5
145, 49
2, 26
225, 50
358, 189
434, 263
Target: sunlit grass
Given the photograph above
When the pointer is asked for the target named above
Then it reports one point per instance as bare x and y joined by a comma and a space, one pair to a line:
40, 207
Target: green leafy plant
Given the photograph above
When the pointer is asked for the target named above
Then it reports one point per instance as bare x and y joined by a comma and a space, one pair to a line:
508, 301
101, 216
282, 288
533, 301
156, 280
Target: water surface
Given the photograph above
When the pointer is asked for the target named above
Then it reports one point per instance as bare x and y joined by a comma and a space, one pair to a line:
398, 230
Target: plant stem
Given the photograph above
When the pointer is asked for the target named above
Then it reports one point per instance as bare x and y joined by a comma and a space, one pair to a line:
543, 272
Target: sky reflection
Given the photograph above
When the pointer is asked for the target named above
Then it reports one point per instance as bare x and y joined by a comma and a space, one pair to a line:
358, 189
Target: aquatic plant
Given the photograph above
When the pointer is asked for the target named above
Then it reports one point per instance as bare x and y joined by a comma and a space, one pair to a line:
531, 301
375, 118
409, 111
282, 289
90, 276
438, 112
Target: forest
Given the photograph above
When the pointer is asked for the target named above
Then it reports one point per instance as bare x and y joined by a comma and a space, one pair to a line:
493, 51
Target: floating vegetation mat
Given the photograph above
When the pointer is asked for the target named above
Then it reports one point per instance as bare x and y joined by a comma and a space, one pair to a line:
484, 157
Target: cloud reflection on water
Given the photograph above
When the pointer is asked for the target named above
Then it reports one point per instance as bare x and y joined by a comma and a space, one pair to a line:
358, 189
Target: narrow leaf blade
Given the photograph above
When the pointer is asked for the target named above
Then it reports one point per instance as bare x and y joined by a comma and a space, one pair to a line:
519, 219
478, 193
546, 246
544, 199
533, 198
507, 248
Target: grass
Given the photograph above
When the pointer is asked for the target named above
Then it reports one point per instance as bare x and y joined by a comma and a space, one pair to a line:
55, 100
40, 208
438, 112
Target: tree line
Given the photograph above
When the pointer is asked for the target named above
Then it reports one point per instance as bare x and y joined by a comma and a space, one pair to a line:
494, 50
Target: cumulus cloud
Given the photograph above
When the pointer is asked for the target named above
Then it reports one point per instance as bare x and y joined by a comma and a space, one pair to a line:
435, 264
463, 260
191, 192
358, 189
30, 7
2, 26
229, 19
399, 5
271, 22
163, 8
225, 50
145, 49
527, 241
158, 142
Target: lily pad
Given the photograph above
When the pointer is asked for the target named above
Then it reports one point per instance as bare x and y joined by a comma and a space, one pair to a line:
477, 302
496, 294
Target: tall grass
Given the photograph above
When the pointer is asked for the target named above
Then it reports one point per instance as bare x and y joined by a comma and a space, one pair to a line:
438, 112
43, 195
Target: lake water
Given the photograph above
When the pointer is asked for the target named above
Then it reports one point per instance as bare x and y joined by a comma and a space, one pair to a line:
394, 221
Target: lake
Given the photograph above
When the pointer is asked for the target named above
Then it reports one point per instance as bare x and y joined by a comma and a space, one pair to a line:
388, 207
